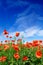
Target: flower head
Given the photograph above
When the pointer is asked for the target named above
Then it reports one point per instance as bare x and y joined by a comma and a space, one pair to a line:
35, 43
3, 59
7, 36
25, 58
10, 36
16, 56
17, 34
6, 47
15, 47
38, 54
5, 32
28, 45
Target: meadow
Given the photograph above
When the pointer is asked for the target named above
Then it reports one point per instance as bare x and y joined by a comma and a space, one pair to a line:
28, 53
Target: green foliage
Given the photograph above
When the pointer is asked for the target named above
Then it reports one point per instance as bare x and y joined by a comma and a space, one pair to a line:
29, 52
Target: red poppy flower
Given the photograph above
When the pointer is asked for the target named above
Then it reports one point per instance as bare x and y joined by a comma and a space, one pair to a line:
13, 45
10, 37
16, 56
3, 59
35, 43
25, 58
6, 40
28, 45
6, 47
5, 32
7, 36
16, 47
40, 41
13, 40
38, 54
0, 44
17, 34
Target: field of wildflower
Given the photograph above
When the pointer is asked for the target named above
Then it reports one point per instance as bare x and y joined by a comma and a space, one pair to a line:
19, 53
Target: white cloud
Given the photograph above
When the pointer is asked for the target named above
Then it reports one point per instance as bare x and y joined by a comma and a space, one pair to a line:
27, 18
2, 38
12, 34
26, 22
30, 32
40, 33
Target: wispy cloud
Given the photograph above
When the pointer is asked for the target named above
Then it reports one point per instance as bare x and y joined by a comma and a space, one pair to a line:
30, 32
27, 18
40, 33
27, 23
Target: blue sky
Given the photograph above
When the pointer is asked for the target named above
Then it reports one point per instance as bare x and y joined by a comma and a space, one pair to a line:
25, 16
